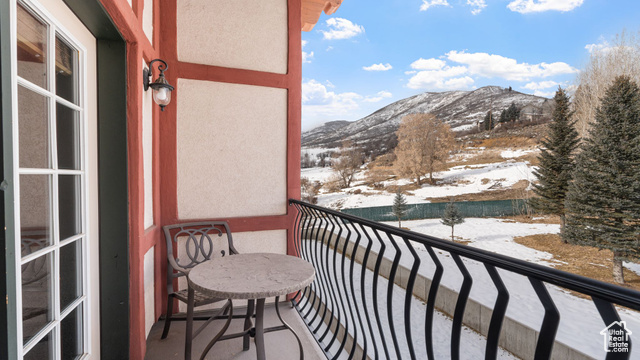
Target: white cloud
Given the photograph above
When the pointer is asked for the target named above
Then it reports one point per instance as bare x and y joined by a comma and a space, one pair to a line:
447, 78
306, 56
378, 67
477, 6
426, 4
329, 48
602, 47
547, 94
381, 95
541, 85
532, 6
340, 28
488, 65
320, 105
428, 64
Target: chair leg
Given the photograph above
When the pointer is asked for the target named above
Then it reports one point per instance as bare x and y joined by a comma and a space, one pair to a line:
189, 330
248, 324
167, 321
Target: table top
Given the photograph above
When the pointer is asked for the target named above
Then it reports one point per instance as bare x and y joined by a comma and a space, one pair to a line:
251, 276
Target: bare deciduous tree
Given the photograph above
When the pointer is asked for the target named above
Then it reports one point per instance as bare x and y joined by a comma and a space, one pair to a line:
347, 162
607, 61
424, 142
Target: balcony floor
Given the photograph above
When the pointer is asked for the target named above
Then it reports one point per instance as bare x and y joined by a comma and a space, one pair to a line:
279, 345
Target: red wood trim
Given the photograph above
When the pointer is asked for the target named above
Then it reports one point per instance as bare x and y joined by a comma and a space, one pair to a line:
127, 23
138, 7
136, 201
229, 75
294, 113
168, 126
169, 29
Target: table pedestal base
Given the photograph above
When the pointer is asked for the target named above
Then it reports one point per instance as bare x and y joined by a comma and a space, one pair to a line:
256, 331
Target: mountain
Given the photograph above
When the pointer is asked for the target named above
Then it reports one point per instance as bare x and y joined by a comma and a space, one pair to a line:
462, 110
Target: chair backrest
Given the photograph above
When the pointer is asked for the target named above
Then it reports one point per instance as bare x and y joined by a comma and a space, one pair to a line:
195, 243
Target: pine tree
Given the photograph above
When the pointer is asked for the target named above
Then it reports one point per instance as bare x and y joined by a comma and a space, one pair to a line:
488, 122
512, 113
556, 160
452, 216
603, 202
503, 116
399, 207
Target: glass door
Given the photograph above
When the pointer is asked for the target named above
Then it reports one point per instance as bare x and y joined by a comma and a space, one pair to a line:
49, 145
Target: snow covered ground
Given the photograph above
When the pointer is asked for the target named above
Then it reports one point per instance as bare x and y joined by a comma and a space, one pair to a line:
472, 344
458, 180
580, 323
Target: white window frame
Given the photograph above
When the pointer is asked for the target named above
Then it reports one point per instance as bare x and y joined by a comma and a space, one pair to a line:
54, 326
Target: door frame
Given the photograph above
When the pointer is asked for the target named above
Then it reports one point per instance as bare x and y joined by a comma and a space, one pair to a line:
112, 178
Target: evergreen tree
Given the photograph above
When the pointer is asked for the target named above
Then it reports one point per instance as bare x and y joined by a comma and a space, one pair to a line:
489, 121
512, 113
452, 216
503, 116
556, 160
399, 207
603, 202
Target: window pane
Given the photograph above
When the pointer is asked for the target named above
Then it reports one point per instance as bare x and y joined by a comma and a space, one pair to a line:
71, 329
70, 273
43, 350
35, 212
32, 48
66, 71
33, 129
68, 137
37, 307
69, 205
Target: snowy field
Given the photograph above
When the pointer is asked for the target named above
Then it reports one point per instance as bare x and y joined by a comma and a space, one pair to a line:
580, 323
458, 180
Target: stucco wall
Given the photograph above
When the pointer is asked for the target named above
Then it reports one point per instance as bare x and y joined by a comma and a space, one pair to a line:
231, 150
149, 290
147, 19
241, 34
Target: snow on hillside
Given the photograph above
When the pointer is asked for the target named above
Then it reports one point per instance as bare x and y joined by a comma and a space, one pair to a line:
460, 109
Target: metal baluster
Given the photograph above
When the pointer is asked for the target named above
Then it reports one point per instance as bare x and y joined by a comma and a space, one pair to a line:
499, 310
409, 296
336, 312
550, 321
376, 276
322, 275
609, 315
390, 286
431, 302
365, 260
313, 288
463, 296
345, 309
353, 257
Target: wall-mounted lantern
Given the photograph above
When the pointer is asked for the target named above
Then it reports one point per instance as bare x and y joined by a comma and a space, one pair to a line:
161, 87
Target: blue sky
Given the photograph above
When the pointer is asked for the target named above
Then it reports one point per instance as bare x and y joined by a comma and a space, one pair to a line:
371, 53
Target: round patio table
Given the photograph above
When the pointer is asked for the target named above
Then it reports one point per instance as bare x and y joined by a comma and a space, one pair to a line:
252, 277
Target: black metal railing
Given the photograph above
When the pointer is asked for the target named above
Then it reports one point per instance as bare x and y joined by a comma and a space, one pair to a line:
382, 292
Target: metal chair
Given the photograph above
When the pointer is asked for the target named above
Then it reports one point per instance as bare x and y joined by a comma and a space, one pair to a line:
197, 242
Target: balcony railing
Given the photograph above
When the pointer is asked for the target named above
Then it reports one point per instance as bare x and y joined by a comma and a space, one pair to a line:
382, 292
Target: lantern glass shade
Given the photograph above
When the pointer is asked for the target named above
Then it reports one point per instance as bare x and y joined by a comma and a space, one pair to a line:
162, 96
